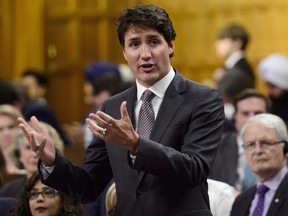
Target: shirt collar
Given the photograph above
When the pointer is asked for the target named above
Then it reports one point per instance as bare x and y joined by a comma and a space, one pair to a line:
274, 182
233, 58
159, 88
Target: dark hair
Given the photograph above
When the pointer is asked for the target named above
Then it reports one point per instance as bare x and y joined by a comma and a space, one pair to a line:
248, 93
40, 78
149, 16
69, 207
233, 82
8, 93
235, 32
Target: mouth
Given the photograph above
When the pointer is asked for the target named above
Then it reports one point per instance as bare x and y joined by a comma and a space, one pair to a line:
259, 160
40, 209
147, 67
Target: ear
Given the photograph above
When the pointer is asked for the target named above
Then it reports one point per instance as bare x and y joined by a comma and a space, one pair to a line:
171, 47
238, 44
124, 54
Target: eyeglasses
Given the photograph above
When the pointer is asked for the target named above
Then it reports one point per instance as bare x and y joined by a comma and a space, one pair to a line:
265, 144
47, 192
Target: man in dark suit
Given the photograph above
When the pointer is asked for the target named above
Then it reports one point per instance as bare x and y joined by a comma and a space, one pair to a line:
231, 43
265, 143
164, 173
229, 165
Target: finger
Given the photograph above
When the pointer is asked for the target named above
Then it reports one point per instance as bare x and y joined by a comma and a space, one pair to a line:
33, 142
97, 130
42, 145
104, 118
25, 127
123, 110
36, 124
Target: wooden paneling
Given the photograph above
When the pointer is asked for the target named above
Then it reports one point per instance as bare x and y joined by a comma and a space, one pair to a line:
5, 39
76, 34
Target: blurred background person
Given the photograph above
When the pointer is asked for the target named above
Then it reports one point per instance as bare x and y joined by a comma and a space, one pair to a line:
230, 85
28, 159
38, 199
230, 45
36, 85
8, 134
274, 72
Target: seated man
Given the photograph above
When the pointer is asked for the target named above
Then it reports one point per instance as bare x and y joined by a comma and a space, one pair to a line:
265, 145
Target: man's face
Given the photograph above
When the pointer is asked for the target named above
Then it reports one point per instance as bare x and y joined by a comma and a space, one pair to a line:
34, 90
247, 108
263, 161
226, 46
147, 54
274, 91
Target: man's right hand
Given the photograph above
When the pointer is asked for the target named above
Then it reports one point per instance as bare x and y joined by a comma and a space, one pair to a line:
40, 141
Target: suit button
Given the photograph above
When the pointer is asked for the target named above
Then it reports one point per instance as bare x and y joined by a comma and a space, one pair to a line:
139, 192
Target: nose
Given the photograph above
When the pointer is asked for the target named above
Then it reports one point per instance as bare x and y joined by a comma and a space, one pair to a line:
40, 198
258, 147
145, 52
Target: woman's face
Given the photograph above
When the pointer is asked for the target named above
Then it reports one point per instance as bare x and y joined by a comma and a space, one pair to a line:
28, 157
8, 131
48, 205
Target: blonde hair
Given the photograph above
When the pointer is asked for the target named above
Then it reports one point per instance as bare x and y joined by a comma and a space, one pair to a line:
11, 111
111, 198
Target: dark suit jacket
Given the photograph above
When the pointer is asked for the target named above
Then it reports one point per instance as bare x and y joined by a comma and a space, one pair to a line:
225, 165
170, 172
244, 66
278, 206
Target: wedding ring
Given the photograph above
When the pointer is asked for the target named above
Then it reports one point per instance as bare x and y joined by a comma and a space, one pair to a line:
104, 132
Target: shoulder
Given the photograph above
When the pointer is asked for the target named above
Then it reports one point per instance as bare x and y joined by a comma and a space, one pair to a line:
12, 188
193, 90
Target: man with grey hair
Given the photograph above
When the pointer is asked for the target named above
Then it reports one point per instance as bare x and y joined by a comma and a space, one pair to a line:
265, 143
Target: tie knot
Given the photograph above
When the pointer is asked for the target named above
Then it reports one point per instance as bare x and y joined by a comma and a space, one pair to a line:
262, 189
147, 95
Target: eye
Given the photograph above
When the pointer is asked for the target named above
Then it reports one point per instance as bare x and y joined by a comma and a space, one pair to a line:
249, 145
32, 194
134, 44
266, 143
49, 192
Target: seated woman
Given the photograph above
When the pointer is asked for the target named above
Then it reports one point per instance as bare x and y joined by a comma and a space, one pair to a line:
8, 133
39, 199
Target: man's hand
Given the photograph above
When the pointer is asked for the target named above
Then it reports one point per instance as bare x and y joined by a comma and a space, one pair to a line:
40, 141
119, 132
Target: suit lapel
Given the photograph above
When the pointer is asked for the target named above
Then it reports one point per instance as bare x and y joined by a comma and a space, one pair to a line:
130, 97
169, 107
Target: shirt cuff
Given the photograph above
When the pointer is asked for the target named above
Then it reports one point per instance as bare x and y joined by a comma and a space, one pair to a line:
46, 170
